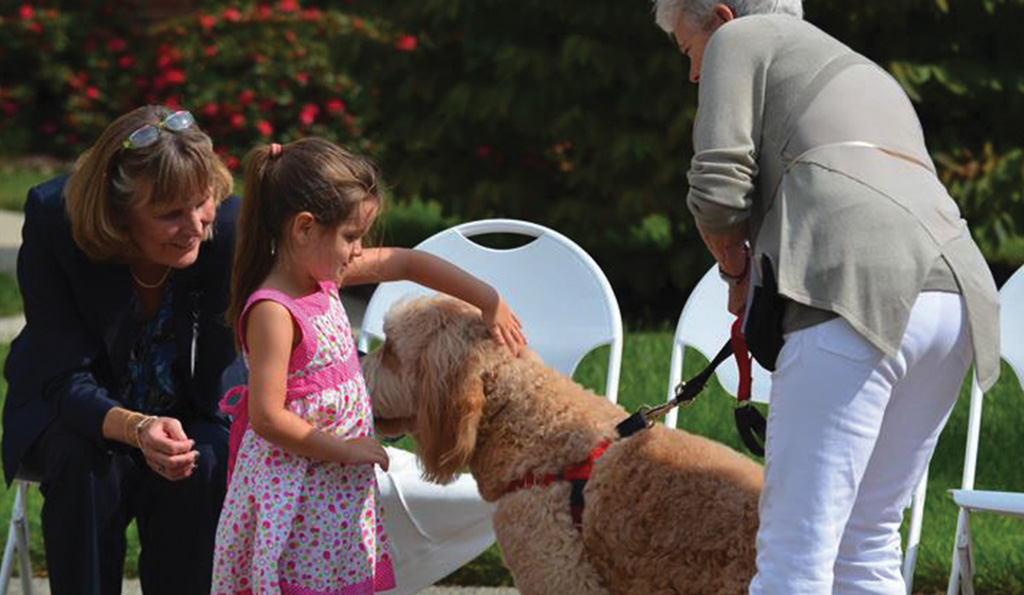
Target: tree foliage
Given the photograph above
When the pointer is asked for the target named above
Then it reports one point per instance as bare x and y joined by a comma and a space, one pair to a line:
573, 114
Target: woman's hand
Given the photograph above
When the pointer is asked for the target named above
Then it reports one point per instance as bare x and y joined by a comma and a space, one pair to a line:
505, 327
362, 450
167, 449
738, 294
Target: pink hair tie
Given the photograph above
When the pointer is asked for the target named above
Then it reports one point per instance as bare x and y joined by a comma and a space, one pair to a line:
275, 150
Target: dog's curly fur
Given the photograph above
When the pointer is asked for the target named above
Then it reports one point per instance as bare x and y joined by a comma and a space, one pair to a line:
666, 511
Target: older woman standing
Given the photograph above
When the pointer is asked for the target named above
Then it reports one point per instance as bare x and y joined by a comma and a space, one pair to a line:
115, 379
810, 175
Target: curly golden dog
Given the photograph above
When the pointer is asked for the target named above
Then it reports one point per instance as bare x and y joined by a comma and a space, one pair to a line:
664, 511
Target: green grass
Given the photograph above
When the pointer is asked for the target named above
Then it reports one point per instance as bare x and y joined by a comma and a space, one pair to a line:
17, 178
10, 297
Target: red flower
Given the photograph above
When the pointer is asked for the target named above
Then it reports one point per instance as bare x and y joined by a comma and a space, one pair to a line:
357, 24
264, 12
207, 21
210, 51
211, 109
302, 77
172, 103
92, 93
232, 162
334, 106
164, 61
237, 121
174, 77
36, 27
117, 45
26, 12
264, 128
245, 97
290, 36
405, 43
311, 14
287, 5
125, 62
231, 15
483, 151
308, 114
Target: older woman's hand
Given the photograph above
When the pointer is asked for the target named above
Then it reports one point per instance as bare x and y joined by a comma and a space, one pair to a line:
167, 449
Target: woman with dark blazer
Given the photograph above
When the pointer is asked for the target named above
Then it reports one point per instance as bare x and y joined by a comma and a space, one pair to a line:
113, 384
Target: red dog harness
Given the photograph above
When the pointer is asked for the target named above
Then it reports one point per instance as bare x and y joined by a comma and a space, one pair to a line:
577, 475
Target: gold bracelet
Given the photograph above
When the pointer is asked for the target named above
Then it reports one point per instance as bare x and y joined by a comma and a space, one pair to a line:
126, 431
146, 420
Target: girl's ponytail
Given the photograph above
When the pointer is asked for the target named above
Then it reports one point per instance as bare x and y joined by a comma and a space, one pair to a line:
254, 247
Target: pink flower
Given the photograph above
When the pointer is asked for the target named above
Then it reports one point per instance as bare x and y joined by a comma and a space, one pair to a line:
117, 45
26, 12
405, 43
334, 106
174, 77
308, 114
264, 128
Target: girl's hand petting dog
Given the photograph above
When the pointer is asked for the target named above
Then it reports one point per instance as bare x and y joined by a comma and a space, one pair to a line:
504, 326
365, 450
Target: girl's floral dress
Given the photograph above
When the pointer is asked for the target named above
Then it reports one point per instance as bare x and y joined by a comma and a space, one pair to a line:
294, 525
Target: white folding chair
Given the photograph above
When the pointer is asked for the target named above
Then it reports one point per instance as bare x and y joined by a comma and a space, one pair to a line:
705, 325
968, 499
17, 542
567, 308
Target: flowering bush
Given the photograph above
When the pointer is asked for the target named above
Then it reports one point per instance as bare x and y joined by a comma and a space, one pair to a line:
249, 72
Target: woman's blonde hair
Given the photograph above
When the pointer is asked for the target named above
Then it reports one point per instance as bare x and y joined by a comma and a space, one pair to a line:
311, 175
110, 179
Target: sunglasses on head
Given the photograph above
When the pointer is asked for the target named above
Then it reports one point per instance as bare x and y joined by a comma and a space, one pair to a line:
145, 136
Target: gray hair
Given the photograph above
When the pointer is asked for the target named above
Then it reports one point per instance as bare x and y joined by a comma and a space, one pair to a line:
668, 12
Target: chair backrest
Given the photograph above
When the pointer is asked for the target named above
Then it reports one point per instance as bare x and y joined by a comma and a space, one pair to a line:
704, 325
562, 297
1011, 348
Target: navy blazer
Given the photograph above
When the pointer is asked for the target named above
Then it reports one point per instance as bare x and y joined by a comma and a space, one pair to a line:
71, 359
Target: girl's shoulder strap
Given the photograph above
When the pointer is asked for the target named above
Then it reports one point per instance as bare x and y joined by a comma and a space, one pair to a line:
302, 352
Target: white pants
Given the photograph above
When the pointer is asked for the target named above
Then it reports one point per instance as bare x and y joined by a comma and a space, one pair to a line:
850, 432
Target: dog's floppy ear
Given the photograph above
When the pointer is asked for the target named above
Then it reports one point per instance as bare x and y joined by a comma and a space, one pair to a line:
451, 400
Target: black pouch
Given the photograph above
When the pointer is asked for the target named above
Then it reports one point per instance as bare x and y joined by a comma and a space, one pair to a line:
763, 328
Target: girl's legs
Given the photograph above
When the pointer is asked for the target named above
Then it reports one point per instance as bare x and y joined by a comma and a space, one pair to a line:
831, 395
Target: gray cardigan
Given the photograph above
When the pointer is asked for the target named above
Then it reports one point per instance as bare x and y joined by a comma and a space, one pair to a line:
820, 153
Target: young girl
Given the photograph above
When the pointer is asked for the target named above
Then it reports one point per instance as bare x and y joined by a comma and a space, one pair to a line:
301, 514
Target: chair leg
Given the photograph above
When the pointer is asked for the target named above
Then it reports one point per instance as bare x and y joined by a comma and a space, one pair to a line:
914, 532
961, 578
17, 539
23, 541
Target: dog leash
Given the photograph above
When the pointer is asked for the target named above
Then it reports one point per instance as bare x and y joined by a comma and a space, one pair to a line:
749, 421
